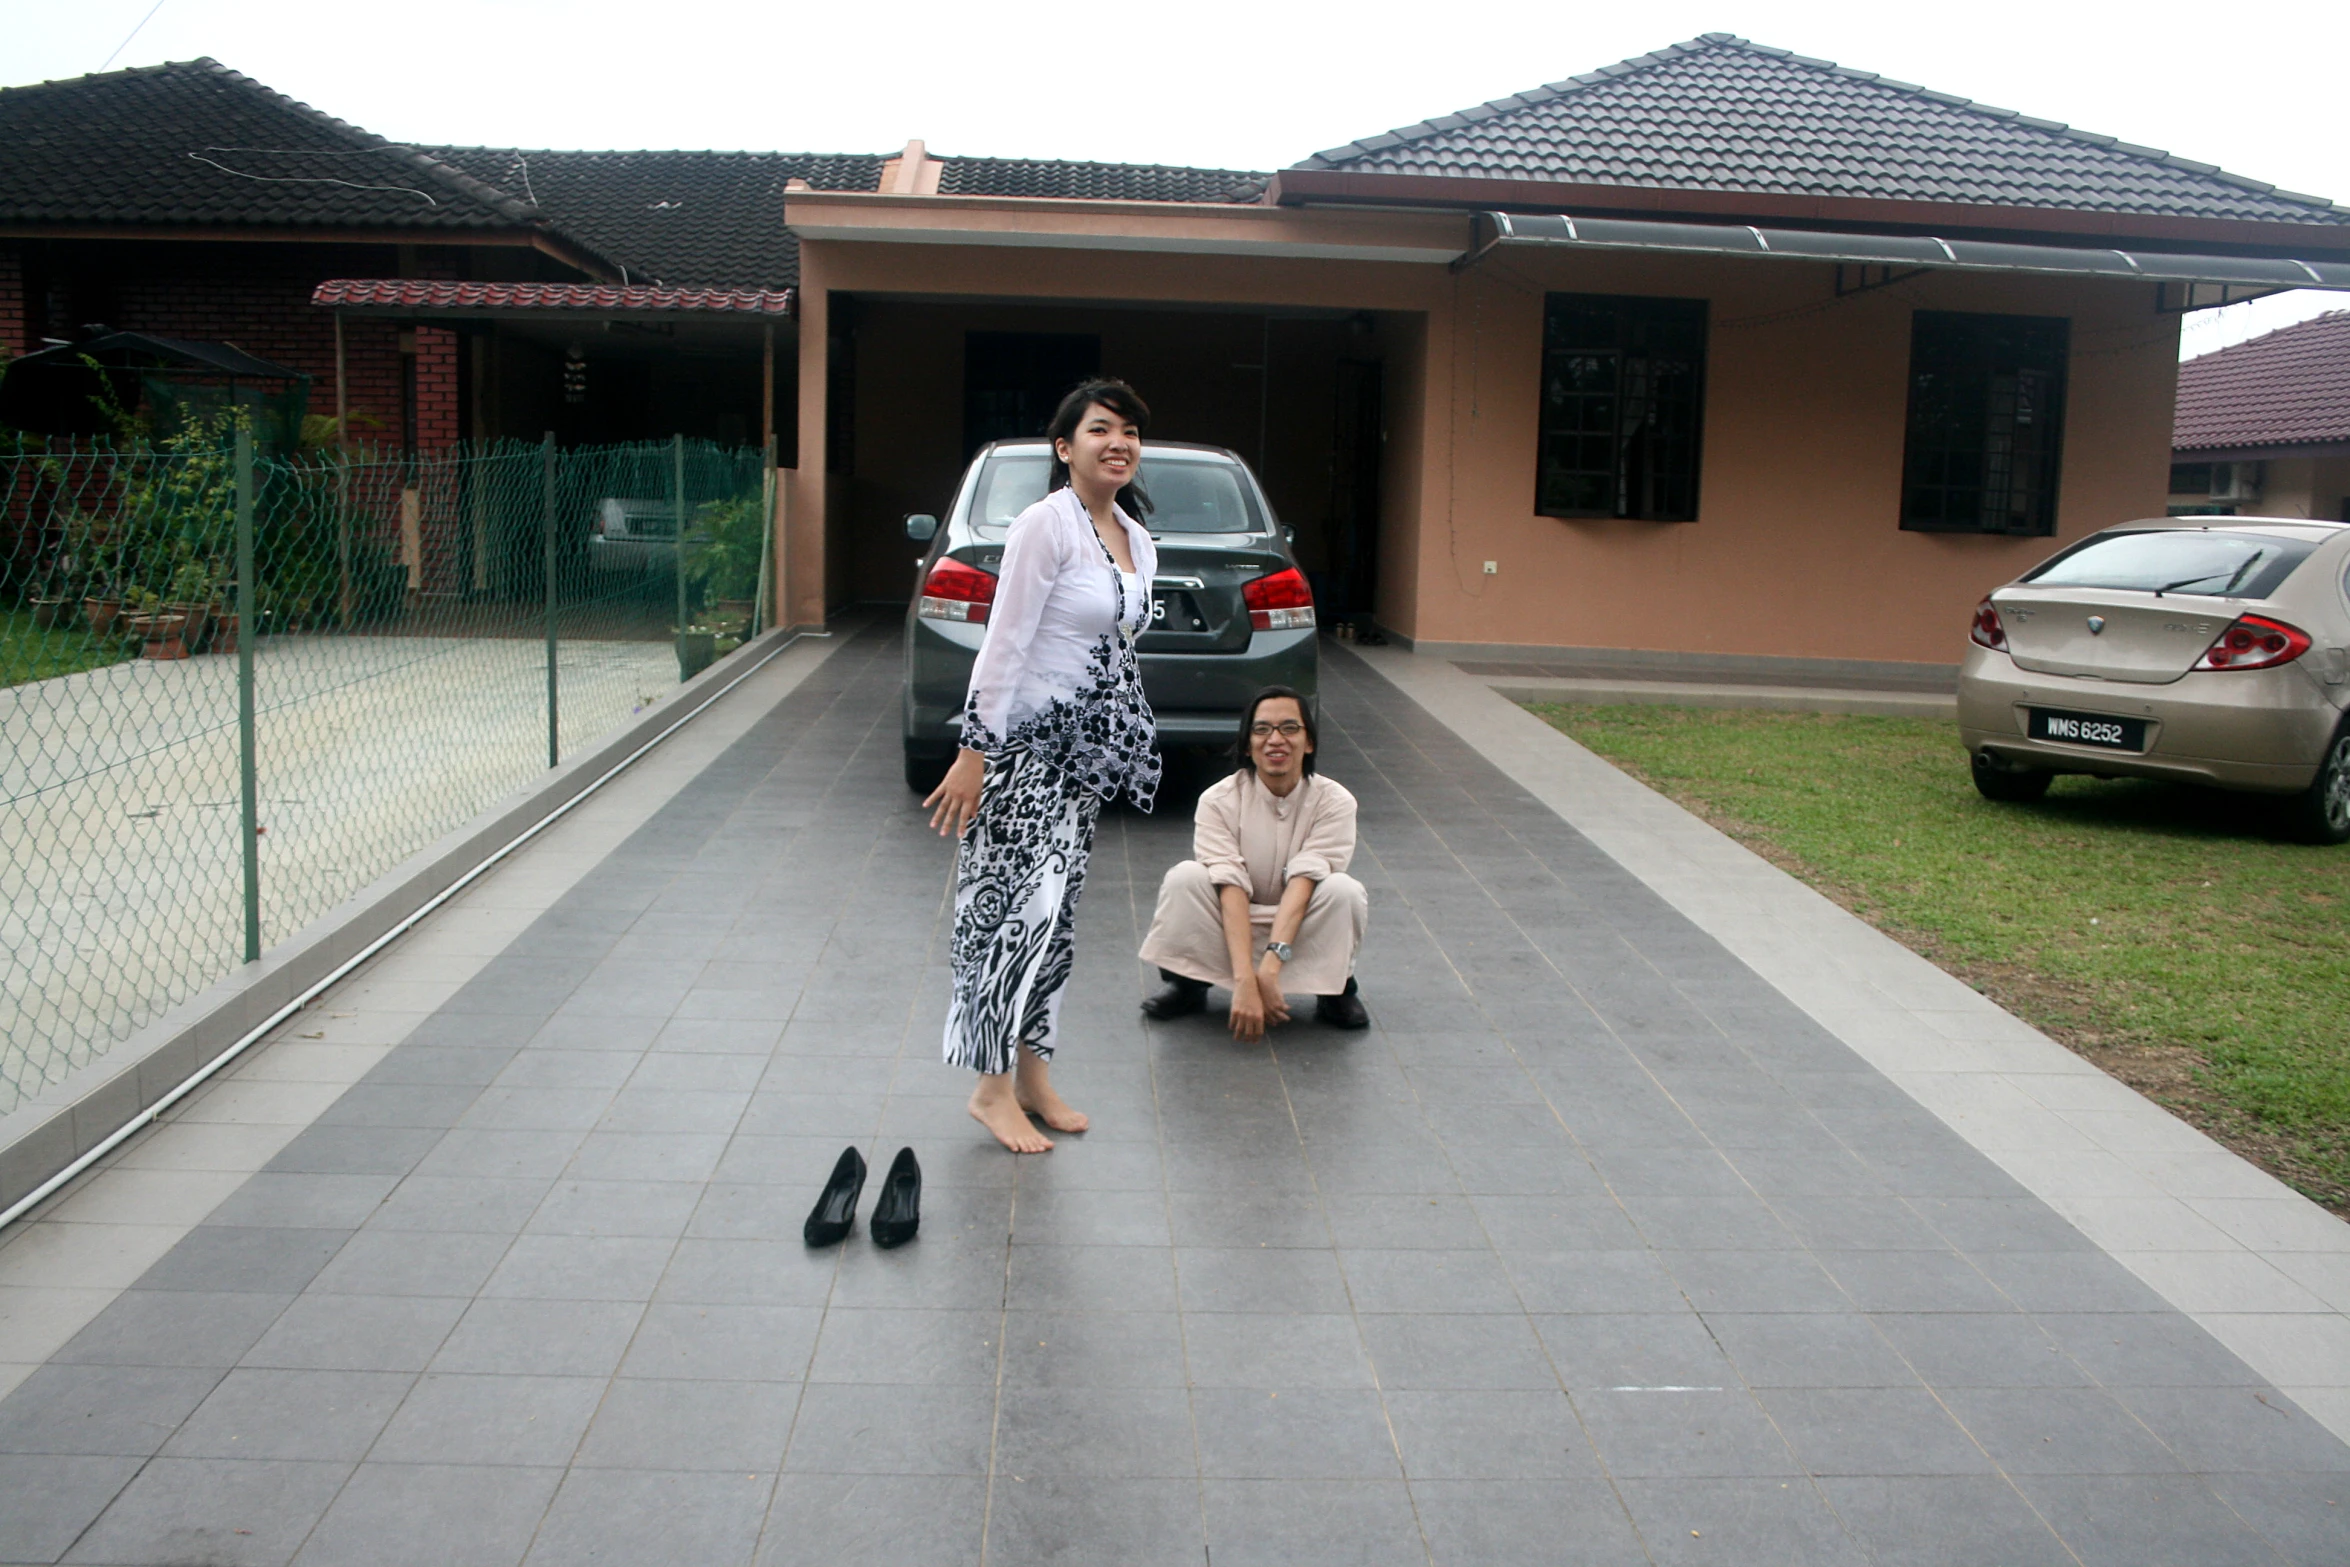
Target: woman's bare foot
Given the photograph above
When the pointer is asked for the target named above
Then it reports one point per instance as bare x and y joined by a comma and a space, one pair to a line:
994, 1106
1033, 1087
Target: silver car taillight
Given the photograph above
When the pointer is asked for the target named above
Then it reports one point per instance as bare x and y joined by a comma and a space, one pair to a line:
1987, 631
2254, 642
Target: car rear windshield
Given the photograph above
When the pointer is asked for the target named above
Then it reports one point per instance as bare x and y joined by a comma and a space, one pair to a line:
1187, 495
2216, 563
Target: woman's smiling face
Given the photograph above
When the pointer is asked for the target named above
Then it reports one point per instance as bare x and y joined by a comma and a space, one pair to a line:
1104, 452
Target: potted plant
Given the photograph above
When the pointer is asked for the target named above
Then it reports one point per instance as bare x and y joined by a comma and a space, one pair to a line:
161, 632
166, 637
223, 636
191, 594
697, 650
49, 609
103, 605
723, 564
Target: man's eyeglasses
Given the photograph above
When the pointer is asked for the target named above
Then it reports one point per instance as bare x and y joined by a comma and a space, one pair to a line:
1287, 729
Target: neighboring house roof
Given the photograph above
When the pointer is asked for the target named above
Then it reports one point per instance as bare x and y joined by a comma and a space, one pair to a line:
1722, 114
1096, 181
196, 144
675, 219
420, 294
2290, 387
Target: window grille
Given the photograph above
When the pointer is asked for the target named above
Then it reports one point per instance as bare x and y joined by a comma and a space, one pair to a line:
1986, 423
1623, 407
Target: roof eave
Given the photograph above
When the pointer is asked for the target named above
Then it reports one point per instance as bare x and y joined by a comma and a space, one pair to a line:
1300, 187
556, 246
2209, 450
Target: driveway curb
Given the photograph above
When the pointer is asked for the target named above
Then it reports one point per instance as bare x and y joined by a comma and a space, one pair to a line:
63, 1122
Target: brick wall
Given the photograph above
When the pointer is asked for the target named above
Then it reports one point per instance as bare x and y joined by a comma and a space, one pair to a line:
14, 338
439, 416
256, 297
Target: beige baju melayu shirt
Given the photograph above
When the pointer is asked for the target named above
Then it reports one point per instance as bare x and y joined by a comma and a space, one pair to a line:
1248, 836
1244, 835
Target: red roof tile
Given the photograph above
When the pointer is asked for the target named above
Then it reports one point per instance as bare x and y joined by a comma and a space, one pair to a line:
2288, 388
422, 294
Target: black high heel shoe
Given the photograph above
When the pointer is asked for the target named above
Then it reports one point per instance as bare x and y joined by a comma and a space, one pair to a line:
835, 1213
897, 1213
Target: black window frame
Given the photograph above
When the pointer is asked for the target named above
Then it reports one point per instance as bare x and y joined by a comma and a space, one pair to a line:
1624, 381
1971, 373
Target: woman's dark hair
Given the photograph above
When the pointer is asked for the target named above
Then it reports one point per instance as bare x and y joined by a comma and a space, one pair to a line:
1248, 718
1118, 398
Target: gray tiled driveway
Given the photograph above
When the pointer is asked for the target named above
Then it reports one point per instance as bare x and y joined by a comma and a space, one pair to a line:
1594, 1250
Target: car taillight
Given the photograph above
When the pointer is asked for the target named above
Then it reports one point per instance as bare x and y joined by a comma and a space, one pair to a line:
2254, 642
1987, 631
954, 591
1280, 602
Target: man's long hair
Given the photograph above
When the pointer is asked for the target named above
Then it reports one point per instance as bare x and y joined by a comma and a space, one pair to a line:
1118, 398
1248, 718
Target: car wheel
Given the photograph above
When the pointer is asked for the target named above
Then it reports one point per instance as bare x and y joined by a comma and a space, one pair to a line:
925, 773
2321, 812
2010, 786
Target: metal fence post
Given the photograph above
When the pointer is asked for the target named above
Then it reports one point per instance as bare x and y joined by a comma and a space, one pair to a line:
248, 633
554, 735
762, 609
677, 492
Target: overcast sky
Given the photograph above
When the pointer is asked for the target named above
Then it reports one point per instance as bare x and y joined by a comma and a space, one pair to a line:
1252, 84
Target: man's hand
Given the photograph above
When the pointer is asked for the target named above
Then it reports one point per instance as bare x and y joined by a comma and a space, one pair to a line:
1269, 991
957, 796
1248, 1010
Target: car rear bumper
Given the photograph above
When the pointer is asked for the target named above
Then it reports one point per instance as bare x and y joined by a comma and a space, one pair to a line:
2263, 730
1196, 697
605, 553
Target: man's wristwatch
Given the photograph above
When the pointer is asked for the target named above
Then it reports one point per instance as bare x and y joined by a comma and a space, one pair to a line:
1280, 949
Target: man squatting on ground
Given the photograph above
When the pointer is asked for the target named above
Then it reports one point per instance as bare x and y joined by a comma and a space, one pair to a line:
1265, 901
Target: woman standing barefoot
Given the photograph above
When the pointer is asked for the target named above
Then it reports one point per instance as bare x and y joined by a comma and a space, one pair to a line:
1055, 724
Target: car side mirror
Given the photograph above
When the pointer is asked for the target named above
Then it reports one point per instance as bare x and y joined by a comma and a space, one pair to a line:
1288, 534
921, 527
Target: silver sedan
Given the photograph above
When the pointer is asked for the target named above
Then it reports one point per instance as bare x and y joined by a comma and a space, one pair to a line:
2206, 650
1231, 613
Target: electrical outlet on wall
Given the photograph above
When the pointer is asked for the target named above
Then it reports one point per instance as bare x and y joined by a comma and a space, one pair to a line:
1492, 568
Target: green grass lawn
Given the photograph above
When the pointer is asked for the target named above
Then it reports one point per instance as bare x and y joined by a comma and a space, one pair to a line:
2174, 936
28, 653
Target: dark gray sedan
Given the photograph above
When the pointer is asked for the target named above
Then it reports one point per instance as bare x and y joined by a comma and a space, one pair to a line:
1230, 611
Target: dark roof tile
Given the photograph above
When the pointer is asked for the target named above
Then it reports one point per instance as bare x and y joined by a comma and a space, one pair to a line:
1720, 113
678, 219
2290, 387
1044, 177
194, 142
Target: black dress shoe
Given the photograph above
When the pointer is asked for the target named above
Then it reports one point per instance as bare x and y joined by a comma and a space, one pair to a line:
897, 1212
835, 1213
1344, 1010
1182, 997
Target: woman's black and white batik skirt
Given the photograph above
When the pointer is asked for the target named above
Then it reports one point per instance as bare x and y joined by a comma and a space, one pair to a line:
1017, 882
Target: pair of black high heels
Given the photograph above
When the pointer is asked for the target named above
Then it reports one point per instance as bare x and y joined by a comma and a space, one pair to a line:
895, 1217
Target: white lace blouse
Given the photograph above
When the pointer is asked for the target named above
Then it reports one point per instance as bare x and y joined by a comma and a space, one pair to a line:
1056, 674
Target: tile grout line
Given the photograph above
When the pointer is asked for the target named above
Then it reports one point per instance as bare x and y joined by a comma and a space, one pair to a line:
1717, 884
1728, 1157
639, 798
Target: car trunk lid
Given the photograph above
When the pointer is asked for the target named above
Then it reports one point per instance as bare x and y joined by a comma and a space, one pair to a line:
2108, 636
1196, 603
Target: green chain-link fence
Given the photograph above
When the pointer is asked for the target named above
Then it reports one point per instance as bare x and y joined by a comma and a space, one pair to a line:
235, 688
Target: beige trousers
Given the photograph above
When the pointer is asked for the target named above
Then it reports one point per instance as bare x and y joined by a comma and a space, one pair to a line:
1187, 933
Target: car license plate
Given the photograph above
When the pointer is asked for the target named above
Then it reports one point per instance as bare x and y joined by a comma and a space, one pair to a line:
2092, 729
1175, 612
